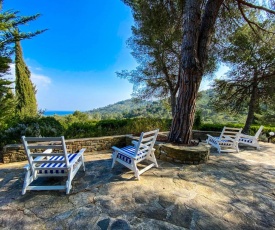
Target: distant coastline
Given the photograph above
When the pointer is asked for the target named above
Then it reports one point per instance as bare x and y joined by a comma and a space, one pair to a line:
59, 113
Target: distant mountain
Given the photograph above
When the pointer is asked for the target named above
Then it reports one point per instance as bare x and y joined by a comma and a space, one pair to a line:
132, 108
161, 109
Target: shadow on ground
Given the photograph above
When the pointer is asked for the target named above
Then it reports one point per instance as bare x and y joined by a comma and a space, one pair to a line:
231, 191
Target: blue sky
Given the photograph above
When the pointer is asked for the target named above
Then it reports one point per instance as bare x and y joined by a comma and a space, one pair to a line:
74, 63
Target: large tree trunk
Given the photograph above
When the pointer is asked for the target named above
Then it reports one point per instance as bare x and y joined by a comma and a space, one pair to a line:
196, 39
252, 105
173, 103
185, 110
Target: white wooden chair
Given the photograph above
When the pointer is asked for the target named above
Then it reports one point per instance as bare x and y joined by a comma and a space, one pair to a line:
227, 141
130, 155
251, 140
53, 162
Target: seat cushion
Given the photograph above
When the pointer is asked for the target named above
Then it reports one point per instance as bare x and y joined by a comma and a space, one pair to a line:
245, 140
218, 141
59, 166
130, 150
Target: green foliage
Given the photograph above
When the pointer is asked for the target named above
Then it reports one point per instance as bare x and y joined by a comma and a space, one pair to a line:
9, 34
24, 88
76, 117
7, 101
198, 120
159, 109
31, 126
250, 81
116, 127
49, 126
156, 45
218, 126
10, 21
131, 109
81, 130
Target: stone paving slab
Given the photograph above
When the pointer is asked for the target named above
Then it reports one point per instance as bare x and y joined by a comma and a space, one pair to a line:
230, 191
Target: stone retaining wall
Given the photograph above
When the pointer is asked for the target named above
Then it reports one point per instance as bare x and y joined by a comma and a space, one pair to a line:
183, 154
16, 152
180, 154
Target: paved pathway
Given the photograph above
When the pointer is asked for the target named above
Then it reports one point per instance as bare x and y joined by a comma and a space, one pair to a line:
231, 191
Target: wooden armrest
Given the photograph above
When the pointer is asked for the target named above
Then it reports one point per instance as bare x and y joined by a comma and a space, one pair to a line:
212, 136
229, 138
48, 151
246, 136
27, 167
135, 143
79, 154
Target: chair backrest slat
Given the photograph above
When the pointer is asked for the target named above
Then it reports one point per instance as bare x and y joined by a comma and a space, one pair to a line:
259, 132
42, 139
231, 132
43, 154
146, 142
45, 147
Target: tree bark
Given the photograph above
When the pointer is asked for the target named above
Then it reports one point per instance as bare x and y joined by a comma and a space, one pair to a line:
173, 102
196, 40
252, 105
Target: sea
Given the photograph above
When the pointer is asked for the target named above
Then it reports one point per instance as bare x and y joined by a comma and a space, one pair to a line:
56, 112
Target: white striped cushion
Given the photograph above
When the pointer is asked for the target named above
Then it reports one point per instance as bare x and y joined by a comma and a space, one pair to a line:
131, 151
56, 165
246, 140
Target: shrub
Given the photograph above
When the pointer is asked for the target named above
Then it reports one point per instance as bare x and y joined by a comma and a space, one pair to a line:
49, 126
31, 126
116, 127
198, 120
81, 130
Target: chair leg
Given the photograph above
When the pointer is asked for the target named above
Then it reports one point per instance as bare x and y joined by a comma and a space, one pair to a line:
114, 158
69, 181
219, 149
136, 171
237, 148
151, 157
83, 165
27, 181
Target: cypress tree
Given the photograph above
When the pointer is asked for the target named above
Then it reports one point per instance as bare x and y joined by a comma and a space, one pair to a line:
7, 101
24, 88
9, 23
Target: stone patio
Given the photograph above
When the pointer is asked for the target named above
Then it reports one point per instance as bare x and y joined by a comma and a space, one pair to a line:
230, 191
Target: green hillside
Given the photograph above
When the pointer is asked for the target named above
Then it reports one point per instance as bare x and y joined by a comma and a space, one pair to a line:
132, 108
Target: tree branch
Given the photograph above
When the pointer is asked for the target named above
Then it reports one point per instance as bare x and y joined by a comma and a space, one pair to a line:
255, 6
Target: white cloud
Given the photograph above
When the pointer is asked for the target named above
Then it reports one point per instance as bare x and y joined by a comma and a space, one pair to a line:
39, 80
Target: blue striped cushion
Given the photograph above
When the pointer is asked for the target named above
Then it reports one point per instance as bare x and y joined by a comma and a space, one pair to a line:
246, 140
56, 165
131, 151
221, 142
